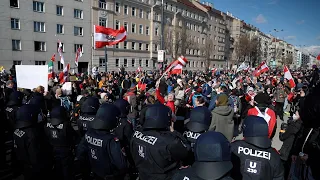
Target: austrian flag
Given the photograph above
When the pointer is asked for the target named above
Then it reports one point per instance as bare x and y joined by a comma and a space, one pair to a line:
107, 36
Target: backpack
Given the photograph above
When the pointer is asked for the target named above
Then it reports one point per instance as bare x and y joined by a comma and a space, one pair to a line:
65, 102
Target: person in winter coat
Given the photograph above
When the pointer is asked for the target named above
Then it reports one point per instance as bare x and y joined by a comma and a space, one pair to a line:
222, 117
280, 96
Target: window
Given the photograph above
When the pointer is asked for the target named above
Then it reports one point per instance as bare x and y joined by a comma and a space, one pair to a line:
140, 46
147, 47
39, 26
156, 47
147, 30
14, 3
125, 62
59, 10
102, 22
117, 7
133, 45
60, 66
78, 31
40, 63
117, 24
203, 41
140, 62
116, 46
117, 62
102, 62
133, 28
15, 23
77, 46
16, 45
59, 29
156, 31
140, 13
38, 6
133, 63
17, 62
147, 63
148, 15
125, 24
140, 29
39, 46
133, 11
78, 14
62, 46
125, 9
125, 45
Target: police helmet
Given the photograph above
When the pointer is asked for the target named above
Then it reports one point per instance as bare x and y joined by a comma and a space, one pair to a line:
200, 119
27, 115
15, 99
123, 106
256, 131
58, 115
158, 116
212, 156
106, 117
90, 105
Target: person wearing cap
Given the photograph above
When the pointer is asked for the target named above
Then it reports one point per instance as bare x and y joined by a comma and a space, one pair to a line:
261, 109
253, 157
199, 122
101, 147
63, 139
30, 145
89, 109
212, 159
156, 148
222, 117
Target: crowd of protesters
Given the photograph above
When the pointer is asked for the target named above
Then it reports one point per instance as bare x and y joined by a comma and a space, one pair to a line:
178, 127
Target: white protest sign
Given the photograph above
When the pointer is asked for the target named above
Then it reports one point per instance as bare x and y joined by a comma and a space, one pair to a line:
67, 88
32, 76
161, 55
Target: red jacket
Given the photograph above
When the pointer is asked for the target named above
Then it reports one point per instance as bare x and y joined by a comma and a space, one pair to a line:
269, 115
170, 104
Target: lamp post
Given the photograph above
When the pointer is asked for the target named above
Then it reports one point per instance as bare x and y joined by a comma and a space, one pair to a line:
275, 31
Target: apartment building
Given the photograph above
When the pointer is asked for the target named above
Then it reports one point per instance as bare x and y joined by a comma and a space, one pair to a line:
30, 31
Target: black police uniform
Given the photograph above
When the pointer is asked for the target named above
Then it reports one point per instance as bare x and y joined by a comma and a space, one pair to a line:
102, 147
200, 120
254, 158
89, 109
213, 159
31, 148
156, 151
62, 138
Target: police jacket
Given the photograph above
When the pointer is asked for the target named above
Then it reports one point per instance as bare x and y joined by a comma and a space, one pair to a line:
105, 155
60, 136
11, 115
188, 174
31, 148
191, 138
157, 153
84, 123
252, 162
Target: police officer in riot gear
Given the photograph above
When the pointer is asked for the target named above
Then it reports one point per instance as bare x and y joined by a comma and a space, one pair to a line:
124, 132
62, 138
156, 150
89, 109
200, 120
212, 159
253, 157
30, 145
103, 148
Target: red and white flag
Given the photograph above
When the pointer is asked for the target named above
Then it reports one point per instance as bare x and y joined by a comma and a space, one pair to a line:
60, 52
64, 74
318, 57
139, 69
106, 36
78, 55
181, 60
213, 70
287, 75
176, 70
262, 68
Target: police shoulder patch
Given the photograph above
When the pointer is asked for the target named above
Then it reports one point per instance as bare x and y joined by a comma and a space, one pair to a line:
9, 109
116, 139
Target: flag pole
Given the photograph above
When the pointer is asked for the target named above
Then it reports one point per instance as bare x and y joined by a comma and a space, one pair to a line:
106, 58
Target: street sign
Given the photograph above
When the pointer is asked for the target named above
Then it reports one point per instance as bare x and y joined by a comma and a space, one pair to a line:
161, 56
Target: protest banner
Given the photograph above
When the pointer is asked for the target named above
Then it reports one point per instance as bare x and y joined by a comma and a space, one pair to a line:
32, 76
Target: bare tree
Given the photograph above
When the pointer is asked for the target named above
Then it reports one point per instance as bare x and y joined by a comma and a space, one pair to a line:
177, 40
288, 60
242, 48
207, 52
255, 52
